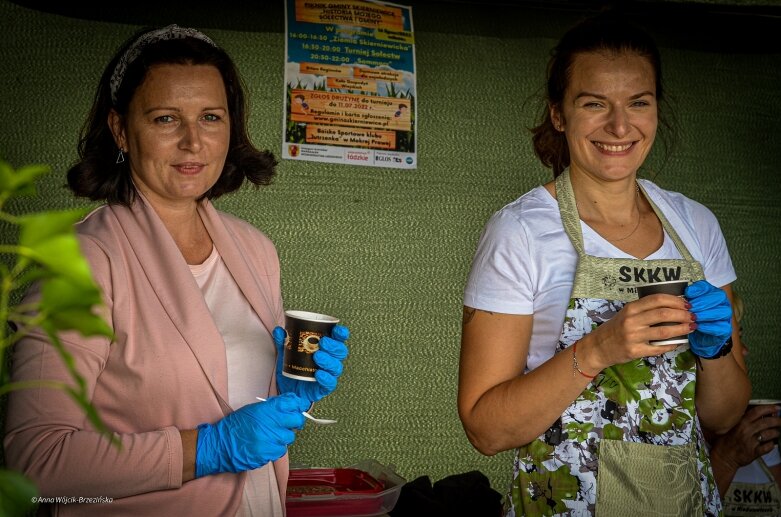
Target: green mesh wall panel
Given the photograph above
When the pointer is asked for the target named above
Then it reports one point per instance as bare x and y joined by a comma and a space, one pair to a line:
388, 251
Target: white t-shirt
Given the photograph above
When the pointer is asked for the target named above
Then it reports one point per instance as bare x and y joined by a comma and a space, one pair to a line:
525, 262
251, 358
753, 473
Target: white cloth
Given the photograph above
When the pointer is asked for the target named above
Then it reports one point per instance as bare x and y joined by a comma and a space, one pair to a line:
251, 357
754, 492
525, 262
753, 473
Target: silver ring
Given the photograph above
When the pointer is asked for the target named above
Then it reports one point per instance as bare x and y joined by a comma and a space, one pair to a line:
759, 437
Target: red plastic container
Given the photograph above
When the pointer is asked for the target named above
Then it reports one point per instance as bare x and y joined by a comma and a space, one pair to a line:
332, 492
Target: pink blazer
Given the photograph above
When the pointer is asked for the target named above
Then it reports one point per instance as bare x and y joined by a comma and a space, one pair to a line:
165, 371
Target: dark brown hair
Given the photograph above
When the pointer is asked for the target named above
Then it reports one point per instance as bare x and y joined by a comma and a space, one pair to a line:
98, 177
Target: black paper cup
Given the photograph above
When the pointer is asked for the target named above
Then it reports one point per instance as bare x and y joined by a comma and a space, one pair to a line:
674, 287
304, 330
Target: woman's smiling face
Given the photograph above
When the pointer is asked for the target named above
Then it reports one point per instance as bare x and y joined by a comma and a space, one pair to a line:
609, 114
177, 132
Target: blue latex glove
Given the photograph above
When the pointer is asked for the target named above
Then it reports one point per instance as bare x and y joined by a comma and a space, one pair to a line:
250, 437
328, 360
714, 318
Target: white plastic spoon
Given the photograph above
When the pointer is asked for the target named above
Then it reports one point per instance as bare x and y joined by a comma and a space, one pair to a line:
307, 415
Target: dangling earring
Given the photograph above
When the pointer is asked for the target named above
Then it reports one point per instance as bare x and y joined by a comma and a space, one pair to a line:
120, 157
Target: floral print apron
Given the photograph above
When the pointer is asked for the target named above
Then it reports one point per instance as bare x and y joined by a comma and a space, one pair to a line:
631, 443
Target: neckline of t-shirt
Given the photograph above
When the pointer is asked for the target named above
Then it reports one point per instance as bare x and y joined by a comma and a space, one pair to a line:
622, 254
206, 265
554, 200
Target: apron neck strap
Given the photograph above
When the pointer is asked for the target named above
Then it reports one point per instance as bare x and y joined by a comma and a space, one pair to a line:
571, 219
766, 469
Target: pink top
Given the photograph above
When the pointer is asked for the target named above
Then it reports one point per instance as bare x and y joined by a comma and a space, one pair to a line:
165, 371
251, 357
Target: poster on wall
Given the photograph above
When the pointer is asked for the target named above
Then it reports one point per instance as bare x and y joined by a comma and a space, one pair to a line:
350, 83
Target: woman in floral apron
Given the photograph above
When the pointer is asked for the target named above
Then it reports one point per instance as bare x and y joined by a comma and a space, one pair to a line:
555, 358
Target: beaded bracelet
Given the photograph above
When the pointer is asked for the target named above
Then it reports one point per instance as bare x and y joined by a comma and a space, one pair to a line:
575, 366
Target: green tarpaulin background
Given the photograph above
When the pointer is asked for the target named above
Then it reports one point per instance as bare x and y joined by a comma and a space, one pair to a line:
388, 250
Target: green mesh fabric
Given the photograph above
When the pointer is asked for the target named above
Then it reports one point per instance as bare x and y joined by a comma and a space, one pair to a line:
662, 478
594, 284
388, 251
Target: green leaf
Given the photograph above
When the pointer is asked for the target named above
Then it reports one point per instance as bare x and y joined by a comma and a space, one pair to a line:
544, 492
6, 176
656, 419
21, 181
85, 322
60, 293
62, 256
612, 432
579, 431
621, 382
26, 177
16, 494
42, 226
679, 418
589, 395
31, 274
684, 361
46, 250
65, 356
78, 394
687, 397
69, 306
538, 451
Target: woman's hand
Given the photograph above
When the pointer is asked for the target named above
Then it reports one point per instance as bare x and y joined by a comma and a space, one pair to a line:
713, 313
626, 336
249, 437
741, 445
328, 359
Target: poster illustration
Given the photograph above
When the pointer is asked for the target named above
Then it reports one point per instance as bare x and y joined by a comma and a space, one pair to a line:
350, 83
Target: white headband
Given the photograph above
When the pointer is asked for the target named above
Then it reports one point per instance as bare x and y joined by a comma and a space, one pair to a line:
130, 55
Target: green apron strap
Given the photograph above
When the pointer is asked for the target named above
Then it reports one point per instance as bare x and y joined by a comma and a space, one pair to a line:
571, 220
668, 227
766, 469
609, 278
569, 211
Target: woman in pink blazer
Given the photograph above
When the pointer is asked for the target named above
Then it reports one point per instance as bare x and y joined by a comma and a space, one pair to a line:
193, 296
